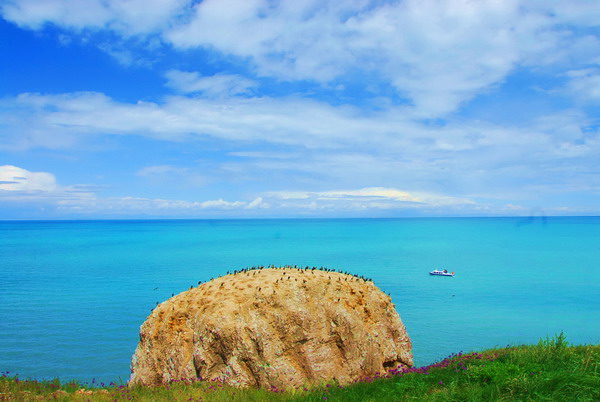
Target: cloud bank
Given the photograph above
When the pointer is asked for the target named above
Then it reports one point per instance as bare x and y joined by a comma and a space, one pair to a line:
32, 189
20, 185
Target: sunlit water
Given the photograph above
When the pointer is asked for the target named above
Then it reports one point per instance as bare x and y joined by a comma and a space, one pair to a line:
73, 294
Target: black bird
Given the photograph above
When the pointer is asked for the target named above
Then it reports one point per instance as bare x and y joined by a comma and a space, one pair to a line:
155, 288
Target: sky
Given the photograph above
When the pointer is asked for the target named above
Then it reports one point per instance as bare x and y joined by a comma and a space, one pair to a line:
134, 109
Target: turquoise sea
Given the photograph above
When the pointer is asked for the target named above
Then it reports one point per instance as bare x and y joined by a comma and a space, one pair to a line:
74, 293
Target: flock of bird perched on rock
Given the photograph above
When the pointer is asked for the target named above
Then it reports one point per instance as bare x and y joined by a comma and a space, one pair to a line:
307, 268
249, 270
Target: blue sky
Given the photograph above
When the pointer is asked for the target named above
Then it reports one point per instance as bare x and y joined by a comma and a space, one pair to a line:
264, 108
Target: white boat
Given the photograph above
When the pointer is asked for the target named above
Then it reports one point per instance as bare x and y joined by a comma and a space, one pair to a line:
440, 272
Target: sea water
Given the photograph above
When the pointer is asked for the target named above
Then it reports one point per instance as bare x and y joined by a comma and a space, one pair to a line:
73, 294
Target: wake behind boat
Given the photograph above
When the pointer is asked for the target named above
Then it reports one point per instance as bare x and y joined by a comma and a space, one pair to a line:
439, 272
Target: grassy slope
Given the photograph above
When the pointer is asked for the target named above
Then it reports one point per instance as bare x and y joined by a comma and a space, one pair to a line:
551, 370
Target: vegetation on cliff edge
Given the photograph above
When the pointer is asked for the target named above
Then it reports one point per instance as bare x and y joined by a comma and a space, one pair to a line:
552, 370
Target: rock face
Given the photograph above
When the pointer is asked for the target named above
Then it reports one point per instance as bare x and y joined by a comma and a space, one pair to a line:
281, 327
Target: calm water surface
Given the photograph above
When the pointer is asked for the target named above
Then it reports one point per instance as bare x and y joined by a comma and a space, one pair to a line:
73, 294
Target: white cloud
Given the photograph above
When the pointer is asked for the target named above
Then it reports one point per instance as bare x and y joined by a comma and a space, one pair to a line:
18, 185
128, 17
219, 204
41, 189
123, 55
373, 192
146, 206
215, 86
580, 12
258, 203
441, 53
69, 13
13, 178
56, 121
263, 154
159, 170
23, 186
292, 40
173, 176
584, 84
370, 198
311, 143
438, 54
333, 202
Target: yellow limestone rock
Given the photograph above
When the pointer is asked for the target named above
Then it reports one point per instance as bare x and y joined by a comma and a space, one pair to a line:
281, 327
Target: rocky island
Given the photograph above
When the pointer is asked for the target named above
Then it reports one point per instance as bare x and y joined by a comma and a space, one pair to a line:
273, 327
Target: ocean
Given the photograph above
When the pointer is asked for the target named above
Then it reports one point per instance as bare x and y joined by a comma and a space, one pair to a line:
73, 294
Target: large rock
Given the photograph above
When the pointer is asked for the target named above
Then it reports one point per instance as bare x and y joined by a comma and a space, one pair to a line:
277, 327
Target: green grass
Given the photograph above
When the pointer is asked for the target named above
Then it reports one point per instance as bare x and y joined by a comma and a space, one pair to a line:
552, 370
